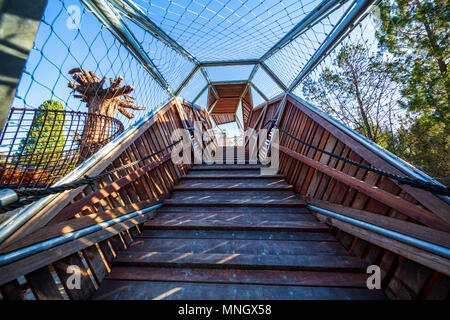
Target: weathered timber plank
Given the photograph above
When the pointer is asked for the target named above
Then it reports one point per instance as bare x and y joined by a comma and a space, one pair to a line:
86, 286
238, 276
407, 208
244, 261
122, 290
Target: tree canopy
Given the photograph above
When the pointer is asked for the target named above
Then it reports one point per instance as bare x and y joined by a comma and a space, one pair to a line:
45, 141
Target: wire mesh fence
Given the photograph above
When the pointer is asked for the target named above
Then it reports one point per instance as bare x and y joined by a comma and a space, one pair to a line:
79, 58
44, 145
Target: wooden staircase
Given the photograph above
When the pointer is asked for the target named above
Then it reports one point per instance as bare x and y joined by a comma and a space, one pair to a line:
228, 232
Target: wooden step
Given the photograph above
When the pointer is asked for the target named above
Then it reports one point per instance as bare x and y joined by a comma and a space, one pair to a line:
136, 290
224, 173
233, 184
245, 167
256, 247
219, 177
233, 210
238, 276
237, 217
243, 235
242, 261
228, 198
218, 224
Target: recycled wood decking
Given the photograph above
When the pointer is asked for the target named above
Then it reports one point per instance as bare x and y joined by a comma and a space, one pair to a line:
229, 233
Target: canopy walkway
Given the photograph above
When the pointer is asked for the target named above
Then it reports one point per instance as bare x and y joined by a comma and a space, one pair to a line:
96, 205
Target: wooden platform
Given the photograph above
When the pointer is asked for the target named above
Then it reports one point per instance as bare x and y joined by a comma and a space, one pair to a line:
229, 233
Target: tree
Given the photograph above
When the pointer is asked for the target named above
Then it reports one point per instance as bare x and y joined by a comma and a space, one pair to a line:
100, 102
45, 141
361, 92
416, 33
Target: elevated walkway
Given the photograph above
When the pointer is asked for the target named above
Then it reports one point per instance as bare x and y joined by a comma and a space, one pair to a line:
228, 232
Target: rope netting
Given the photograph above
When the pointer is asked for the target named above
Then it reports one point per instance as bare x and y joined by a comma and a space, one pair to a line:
142, 53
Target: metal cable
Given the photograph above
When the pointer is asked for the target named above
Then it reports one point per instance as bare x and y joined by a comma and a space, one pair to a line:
36, 194
401, 180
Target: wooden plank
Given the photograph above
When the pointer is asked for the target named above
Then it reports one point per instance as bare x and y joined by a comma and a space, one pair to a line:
12, 291
60, 201
231, 202
107, 251
407, 208
65, 227
429, 200
233, 184
242, 261
218, 224
238, 276
245, 235
43, 285
86, 288
95, 263
427, 259
131, 290
238, 246
404, 227
24, 266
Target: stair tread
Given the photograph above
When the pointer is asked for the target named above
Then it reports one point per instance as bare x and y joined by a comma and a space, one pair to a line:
252, 261
277, 277
224, 173
200, 175
233, 166
245, 235
261, 247
234, 210
229, 232
236, 217
273, 202
123, 290
218, 224
234, 184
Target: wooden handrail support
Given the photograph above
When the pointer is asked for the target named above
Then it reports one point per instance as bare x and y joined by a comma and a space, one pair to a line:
411, 210
24, 266
107, 190
423, 257
429, 200
405, 227
62, 200
60, 228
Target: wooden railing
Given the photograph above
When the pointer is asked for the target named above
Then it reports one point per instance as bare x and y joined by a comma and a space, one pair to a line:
44, 274
329, 183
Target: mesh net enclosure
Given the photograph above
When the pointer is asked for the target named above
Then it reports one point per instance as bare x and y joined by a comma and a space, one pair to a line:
121, 59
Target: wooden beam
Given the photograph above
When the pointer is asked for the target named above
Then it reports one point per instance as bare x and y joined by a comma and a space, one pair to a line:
427, 199
63, 199
106, 191
425, 258
25, 266
60, 228
411, 210
405, 227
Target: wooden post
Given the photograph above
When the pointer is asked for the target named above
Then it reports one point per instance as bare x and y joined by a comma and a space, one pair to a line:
19, 20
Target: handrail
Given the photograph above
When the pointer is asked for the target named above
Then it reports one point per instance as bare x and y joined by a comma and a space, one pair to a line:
387, 156
415, 242
51, 243
23, 215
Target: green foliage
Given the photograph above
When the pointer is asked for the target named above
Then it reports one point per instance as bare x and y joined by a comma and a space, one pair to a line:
360, 91
46, 140
417, 34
